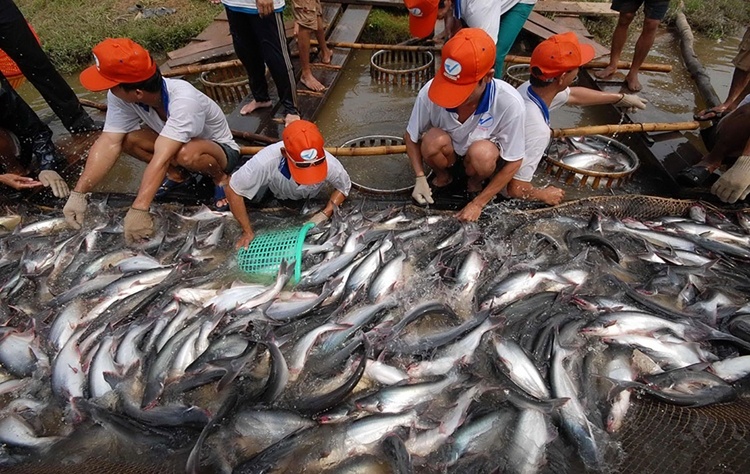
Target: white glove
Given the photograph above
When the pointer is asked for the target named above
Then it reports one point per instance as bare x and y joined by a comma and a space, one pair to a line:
318, 218
631, 103
75, 209
735, 182
422, 192
50, 179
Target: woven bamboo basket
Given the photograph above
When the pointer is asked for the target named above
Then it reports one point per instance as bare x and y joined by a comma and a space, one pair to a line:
226, 86
517, 74
413, 68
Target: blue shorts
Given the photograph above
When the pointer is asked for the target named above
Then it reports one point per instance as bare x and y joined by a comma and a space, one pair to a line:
654, 9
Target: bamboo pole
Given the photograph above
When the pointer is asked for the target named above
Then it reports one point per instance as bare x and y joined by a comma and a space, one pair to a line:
344, 151
624, 128
92, 104
198, 68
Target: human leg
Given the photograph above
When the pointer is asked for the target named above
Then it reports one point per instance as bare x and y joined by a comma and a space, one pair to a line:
320, 34
246, 46
642, 47
437, 152
511, 24
619, 36
480, 163
306, 18
270, 31
18, 41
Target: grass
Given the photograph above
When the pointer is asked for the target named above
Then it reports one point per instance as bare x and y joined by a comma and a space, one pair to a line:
70, 28
386, 27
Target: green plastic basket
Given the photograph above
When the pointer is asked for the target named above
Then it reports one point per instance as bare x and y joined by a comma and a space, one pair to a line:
265, 253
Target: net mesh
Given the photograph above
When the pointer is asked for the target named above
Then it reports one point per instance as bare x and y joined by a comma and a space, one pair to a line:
266, 252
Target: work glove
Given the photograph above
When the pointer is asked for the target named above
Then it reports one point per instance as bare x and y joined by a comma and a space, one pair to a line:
50, 179
631, 103
75, 209
422, 192
318, 218
138, 225
734, 184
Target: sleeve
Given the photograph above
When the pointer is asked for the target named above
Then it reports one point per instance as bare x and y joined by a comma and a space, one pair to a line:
537, 139
337, 175
186, 120
419, 121
120, 118
253, 175
560, 99
510, 134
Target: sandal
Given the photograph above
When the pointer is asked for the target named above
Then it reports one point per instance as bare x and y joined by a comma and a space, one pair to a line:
694, 175
220, 199
169, 185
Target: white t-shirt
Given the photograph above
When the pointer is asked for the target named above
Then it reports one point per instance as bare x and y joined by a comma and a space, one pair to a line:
250, 6
269, 169
499, 118
537, 131
484, 14
190, 114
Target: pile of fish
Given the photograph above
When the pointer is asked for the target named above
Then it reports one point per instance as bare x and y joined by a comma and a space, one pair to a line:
411, 343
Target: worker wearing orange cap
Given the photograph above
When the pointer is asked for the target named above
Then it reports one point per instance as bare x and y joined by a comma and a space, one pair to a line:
466, 116
554, 67
298, 167
166, 123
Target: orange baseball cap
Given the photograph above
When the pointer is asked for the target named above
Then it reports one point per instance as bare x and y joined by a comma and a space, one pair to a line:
305, 154
467, 58
558, 54
118, 61
422, 16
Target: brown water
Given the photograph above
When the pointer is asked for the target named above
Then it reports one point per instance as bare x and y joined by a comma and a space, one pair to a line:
359, 106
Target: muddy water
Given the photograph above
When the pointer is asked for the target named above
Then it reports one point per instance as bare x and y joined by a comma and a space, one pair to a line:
359, 106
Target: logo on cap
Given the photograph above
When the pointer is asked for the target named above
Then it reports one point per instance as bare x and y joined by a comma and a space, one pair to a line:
415, 11
452, 69
309, 155
96, 61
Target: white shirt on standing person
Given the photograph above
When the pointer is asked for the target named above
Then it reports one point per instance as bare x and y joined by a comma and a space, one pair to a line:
190, 114
270, 169
496, 120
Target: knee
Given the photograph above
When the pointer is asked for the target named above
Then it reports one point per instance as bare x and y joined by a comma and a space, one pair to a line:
625, 19
187, 157
650, 26
483, 155
436, 141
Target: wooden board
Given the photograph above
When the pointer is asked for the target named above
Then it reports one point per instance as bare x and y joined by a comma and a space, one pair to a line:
543, 27
575, 8
574, 23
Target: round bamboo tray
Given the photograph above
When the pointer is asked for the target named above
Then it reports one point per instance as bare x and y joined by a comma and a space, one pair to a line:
226, 86
412, 68
517, 74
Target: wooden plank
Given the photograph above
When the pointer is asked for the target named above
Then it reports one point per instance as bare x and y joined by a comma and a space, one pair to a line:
374, 3
217, 29
553, 28
199, 47
575, 8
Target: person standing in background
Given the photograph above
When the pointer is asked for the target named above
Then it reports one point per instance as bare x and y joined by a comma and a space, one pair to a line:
22, 46
308, 18
501, 19
655, 10
257, 29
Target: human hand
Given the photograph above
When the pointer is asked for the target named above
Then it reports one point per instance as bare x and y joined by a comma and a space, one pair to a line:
631, 103
552, 195
18, 182
265, 7
734, 184
470, 212
318, 218
422, 192
75, 209
51, 179
244, 240
138, 225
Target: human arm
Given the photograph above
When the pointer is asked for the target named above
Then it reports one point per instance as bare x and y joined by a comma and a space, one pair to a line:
336, 199
164, 150
422, 192
524, 190
583, 96
239, 211
473, 209
18, 182
102, 156
265, 7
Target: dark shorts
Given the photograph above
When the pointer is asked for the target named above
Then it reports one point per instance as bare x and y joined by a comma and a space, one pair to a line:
233, 157
654, 9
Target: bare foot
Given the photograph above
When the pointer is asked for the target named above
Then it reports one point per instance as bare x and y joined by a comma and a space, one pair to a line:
441, 180
290, 118
309, 81
633, 83
253, 106
606, 72
474, 187
325, 56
